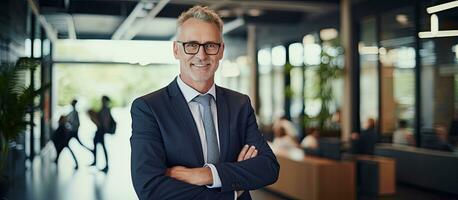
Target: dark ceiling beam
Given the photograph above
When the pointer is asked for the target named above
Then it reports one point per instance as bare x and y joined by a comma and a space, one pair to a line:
129, 21
121, 8
133, 31
49, 30
302, 6
219, 4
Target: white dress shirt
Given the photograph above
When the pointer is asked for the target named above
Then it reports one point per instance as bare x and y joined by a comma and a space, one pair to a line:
189, 94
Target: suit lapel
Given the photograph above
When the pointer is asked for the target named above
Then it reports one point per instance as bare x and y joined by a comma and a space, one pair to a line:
181, 111
223, 123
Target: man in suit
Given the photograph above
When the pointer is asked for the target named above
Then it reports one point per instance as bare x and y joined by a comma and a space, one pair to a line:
193, 139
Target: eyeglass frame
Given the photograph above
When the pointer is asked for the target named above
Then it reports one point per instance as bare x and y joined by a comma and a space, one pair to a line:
198, 49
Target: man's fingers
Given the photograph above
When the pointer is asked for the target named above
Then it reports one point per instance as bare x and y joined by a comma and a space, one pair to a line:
242, 153
255, 153
249, 153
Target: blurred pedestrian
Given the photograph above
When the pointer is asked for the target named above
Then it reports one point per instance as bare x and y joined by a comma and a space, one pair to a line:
61, 138
105, 124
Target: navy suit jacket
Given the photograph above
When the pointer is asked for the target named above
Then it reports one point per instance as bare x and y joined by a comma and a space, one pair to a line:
164, 135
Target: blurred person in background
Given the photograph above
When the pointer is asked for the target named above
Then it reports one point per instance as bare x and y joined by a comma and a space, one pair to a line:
442, 143
453, 130
310, 142
105, 124
74, 122
283, 140
364, 142
61, 138
287, 125
402, 135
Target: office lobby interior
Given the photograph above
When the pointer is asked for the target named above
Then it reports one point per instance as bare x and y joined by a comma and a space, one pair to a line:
358, 99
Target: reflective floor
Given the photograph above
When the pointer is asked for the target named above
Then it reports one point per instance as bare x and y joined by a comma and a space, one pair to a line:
45, 180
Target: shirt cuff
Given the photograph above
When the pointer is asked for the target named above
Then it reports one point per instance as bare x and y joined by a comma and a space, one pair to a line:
215, 176
235, 195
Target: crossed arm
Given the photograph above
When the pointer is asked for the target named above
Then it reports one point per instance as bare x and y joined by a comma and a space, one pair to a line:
256, 167
202, 176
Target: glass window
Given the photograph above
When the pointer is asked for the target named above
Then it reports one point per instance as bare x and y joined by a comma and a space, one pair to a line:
278, 92
439, 79
264, 58
296, 59
312, 50
368, 58
312, 105
278, 61
244, 70
312, 58
296, 89
296, 55
265, 86
228, 75
37, 114
323, 83
397, 58
139, 52
279, 56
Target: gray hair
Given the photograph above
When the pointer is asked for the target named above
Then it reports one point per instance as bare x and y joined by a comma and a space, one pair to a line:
202, 13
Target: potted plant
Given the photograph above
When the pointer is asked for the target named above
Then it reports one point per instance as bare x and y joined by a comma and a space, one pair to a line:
16, 100
328, 71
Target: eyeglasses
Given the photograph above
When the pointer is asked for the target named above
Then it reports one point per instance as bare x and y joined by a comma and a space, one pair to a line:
193, 48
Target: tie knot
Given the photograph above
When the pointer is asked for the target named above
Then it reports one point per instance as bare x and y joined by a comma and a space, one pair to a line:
203, 100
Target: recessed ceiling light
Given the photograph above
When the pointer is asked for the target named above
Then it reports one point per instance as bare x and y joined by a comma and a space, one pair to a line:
254, 12
328, 33
402, 19
224, 13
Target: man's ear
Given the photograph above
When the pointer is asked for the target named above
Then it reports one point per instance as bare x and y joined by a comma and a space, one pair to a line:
175, 49
221, 51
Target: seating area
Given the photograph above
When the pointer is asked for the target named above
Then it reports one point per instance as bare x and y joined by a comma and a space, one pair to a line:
315, 178
422, 167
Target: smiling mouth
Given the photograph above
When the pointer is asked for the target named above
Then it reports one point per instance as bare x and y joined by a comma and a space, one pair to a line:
200, 65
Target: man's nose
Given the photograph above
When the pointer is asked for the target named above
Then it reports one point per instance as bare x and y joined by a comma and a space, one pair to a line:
201, 53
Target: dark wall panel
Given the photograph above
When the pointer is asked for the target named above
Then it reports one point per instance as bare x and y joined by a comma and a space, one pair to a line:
13, 29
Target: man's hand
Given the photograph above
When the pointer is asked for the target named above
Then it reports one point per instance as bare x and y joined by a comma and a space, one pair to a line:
246, 153
203, 175
196, 176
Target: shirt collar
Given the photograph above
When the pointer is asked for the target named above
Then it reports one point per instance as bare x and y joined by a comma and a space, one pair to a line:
190, 93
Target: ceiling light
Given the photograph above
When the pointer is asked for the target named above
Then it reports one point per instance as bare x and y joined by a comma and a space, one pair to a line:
254, 12
224, 13
402, 19
328, 34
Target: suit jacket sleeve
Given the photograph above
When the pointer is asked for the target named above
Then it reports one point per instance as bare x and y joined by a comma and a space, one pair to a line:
253, 173
148, 162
